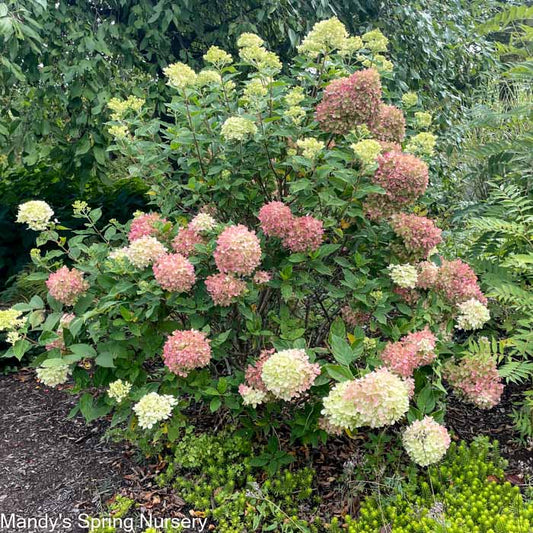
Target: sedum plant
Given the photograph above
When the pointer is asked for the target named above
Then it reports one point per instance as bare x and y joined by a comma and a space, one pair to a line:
285, 274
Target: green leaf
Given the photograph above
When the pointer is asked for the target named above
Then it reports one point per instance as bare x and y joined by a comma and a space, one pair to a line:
83, 350
338, 373
105, 359
342, 351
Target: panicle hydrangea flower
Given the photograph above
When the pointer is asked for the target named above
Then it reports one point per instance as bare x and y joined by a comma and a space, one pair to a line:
238, 250
375, 41
10, 319
355, 318
423, 119
36, 214
310, 147
52, 376
350, 101
119, 254
305, 234
427, 274
66, 286
410, 352
419, 234
381, 398
253, 372
64, 322
457, 282
218, 57
208, 77
367, 150
409, 296
174, 273
472, 315
276, 219
144, 224
389, 125
295, 96
224, 289
261, 59
186, 350
119, 131
247, 40
144, 251
254, 92
251, 396
422, 143
340, 412
153, 408
405, 276
185, 241
261, 277
476, 380
202, 223
121, 107
289, 373
238, 129
295, 113
118, 390
426, 441
180, 75
409, 99
351, 45
325, 37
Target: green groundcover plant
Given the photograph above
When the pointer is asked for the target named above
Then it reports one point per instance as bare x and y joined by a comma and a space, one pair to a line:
286, 274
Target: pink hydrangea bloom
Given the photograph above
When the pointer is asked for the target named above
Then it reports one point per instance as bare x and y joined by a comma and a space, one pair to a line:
59, 343
186, 350
355, 318
66, 286
389, 125
261, 277
253, 371
476, 380
238, 250
224, 289
185, 241
409, 296
276, 219
404, 178
350, 101
427, 274
305, 234
419, 234
387, 146
410, 352
174, 273
143, 225
457, 282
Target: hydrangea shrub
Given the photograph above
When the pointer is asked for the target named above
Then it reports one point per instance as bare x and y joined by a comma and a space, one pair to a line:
284, 272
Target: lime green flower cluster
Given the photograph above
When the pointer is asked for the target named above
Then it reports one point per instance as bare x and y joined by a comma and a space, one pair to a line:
464, 494
180, 75
410, 99
208, 77
375, 41
422, 144
119, 131
217, 57
423, 119
120, 107
252, 51
238, 129
367, 150
310, 147
325, 37
11, 322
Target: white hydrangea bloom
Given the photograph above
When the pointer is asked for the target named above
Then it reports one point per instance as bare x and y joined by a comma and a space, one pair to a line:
36, 214
288, 373
153, 408
51, 376
340, 412
10, 319
180, 75
404, 276
119, 390
202, 222
237, 129
143, 251
426, 441
252, 396
472, 315
310, 147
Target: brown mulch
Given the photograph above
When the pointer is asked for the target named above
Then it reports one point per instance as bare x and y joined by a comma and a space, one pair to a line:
60, 467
